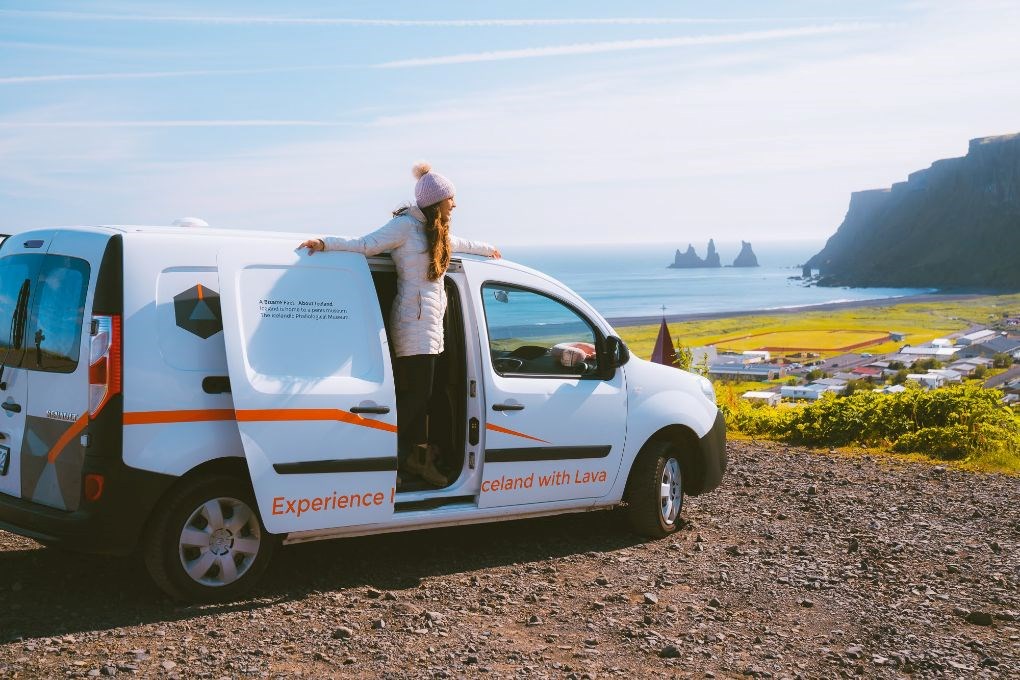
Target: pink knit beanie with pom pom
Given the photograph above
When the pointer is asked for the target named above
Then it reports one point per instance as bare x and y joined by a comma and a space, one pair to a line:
431, 187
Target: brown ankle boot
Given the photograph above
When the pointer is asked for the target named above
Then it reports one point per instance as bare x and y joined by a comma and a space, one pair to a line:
422, 462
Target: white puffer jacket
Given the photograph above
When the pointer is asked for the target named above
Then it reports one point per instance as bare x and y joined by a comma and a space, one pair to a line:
416, 320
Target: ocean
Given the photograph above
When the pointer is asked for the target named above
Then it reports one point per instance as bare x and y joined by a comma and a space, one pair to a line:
633, 280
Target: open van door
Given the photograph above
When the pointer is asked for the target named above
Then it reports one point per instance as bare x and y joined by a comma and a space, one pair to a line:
312, 385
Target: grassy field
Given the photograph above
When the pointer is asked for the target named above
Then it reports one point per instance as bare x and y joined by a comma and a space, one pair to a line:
920, 321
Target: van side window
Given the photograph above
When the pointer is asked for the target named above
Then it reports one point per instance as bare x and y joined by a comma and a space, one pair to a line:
53, 337
535, 335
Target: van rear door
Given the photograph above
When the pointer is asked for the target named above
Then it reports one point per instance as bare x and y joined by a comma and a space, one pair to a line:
312, 385
20, 260
57, 358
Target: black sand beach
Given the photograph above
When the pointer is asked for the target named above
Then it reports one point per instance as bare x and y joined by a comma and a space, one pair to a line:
623, 321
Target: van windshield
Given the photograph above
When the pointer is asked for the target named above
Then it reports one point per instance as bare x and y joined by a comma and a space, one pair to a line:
42, 332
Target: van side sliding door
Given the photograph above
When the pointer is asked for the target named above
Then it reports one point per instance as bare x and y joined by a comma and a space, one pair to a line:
312, 385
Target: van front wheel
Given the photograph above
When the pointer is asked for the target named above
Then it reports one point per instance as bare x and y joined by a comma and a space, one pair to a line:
205, 542
655, 493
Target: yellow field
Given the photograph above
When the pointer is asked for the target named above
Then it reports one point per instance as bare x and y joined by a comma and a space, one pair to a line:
804, 340
920, 321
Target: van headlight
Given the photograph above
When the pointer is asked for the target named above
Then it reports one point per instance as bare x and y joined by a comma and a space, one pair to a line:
707, 389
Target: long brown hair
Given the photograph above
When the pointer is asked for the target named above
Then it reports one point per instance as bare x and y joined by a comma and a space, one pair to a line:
437, 231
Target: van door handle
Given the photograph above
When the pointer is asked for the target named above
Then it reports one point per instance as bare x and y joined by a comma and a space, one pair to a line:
12, 407
370, 409
508, 407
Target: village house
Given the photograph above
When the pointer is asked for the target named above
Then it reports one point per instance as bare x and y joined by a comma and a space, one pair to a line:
770, 398
813, 392
964, 368
738, 370
976, 337
871, 373
942, 352
950, 375
929, 381
1001, 344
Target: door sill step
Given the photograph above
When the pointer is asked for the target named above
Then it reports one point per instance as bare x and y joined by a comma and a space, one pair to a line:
432, 503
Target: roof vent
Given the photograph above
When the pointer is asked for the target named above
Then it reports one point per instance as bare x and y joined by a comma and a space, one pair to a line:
189, 222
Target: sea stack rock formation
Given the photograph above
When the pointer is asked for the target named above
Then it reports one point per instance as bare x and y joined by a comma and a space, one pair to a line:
955, 224
690, 260
712, 257
687, 260
746, 258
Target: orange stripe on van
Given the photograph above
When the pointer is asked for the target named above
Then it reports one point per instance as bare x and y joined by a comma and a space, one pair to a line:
253, 416
278, 415
69, 434
504, 430
293, 414
195, 416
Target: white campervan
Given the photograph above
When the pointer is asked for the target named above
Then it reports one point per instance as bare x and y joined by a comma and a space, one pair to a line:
204, 395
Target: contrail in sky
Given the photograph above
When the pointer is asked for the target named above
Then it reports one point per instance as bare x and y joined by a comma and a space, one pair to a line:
627, 45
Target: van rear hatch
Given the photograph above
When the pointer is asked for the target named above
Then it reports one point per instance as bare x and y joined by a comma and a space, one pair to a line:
47, 347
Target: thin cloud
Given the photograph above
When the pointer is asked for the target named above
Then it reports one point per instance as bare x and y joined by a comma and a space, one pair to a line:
474, 57
427, 23
170, 123
628, 45
144, 75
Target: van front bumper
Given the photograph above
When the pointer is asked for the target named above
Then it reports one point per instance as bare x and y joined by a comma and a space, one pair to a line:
711, 458
111, 525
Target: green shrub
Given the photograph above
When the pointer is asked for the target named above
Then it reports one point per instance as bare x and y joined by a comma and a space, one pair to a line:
958, 422
1002, 361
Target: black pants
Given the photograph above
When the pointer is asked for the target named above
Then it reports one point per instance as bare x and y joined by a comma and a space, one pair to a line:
415, 376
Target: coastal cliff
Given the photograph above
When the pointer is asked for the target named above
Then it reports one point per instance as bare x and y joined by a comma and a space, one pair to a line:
955, 224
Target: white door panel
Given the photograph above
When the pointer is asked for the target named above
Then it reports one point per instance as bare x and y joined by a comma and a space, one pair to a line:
312, 385
553, 432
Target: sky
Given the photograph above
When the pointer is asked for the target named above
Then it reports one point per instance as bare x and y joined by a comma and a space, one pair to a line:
559, 123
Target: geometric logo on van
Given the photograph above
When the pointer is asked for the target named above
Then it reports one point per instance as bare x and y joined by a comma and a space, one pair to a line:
198, 311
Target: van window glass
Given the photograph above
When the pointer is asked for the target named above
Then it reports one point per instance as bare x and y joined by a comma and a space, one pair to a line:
533, 334
17, 279
53, 336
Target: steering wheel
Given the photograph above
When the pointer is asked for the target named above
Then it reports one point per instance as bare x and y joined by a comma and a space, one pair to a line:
507, 364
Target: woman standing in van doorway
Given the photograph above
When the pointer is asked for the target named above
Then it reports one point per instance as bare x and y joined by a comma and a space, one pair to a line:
418, 239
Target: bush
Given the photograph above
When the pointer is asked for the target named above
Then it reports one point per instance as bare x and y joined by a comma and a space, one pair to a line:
1002, 361
922, 365
815, 374
962, 421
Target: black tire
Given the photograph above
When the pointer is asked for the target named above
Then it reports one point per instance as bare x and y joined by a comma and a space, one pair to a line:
646, 507
240, 539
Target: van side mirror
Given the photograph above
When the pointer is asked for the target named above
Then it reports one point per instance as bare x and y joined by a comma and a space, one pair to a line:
617, 352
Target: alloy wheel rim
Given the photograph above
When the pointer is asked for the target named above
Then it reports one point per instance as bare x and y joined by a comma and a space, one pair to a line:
670, 491
219, 542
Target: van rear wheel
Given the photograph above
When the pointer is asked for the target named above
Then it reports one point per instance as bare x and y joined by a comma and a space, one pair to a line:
206, 542
655, 491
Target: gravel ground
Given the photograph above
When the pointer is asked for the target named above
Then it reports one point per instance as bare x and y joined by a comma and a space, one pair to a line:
804, 564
